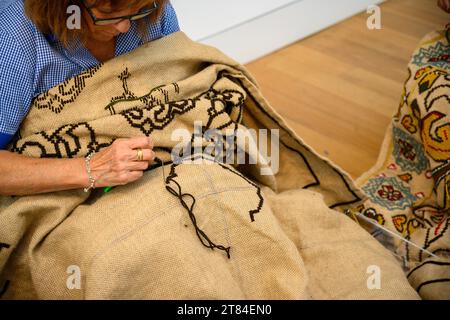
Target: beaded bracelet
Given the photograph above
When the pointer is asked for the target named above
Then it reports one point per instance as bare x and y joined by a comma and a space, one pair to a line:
87, 161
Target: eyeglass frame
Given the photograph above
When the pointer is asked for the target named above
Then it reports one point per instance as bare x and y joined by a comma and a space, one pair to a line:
130, 17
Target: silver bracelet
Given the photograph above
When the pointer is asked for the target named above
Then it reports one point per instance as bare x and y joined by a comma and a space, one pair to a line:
87, 161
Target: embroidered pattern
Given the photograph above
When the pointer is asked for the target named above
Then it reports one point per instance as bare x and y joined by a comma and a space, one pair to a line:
408, 152
433, 55
388, 192
67, 92
415, 201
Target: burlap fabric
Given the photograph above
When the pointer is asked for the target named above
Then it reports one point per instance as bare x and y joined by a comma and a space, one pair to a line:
207, 230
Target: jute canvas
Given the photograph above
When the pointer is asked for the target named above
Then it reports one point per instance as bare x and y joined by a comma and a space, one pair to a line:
205, 230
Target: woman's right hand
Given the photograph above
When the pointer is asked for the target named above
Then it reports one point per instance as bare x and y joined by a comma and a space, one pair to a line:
118, 164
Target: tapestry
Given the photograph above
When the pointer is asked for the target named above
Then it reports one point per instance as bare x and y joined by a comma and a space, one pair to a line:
408, 190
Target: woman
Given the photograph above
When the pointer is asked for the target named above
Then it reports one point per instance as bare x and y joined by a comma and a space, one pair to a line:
38, 50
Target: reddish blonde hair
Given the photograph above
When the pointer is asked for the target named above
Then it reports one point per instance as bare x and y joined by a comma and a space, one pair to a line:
50, 16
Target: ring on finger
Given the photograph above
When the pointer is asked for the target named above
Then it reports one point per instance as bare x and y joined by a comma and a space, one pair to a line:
140, 154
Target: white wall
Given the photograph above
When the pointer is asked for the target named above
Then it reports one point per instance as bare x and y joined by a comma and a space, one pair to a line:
249, 29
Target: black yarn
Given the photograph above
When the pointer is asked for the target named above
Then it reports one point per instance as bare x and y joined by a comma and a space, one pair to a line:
204, 239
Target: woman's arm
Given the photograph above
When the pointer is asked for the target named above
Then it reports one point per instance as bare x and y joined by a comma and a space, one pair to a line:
115, 165
20, 175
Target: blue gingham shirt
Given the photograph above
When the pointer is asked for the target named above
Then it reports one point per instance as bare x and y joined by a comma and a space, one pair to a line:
32, 63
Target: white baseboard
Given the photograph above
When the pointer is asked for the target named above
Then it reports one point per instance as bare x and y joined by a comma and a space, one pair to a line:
248, 32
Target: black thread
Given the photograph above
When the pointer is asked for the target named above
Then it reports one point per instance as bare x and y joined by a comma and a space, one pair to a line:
204, 239
431, 282
426, 263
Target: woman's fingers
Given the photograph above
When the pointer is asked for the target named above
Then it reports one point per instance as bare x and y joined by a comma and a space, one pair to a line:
141, 149
147, 155
140, 142
123, 162
138, 165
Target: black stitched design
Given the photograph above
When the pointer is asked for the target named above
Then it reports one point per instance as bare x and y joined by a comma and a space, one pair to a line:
157, 117
68, 92
438, 263
431, 282
62, 142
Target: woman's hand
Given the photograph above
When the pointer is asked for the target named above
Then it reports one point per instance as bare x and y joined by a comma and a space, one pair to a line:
115, 165
118, 164
444, 5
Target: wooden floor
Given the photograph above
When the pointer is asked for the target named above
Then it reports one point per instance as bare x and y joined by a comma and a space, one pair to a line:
339, 88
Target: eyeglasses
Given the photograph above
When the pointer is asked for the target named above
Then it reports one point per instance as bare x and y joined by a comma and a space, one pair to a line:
104, 22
